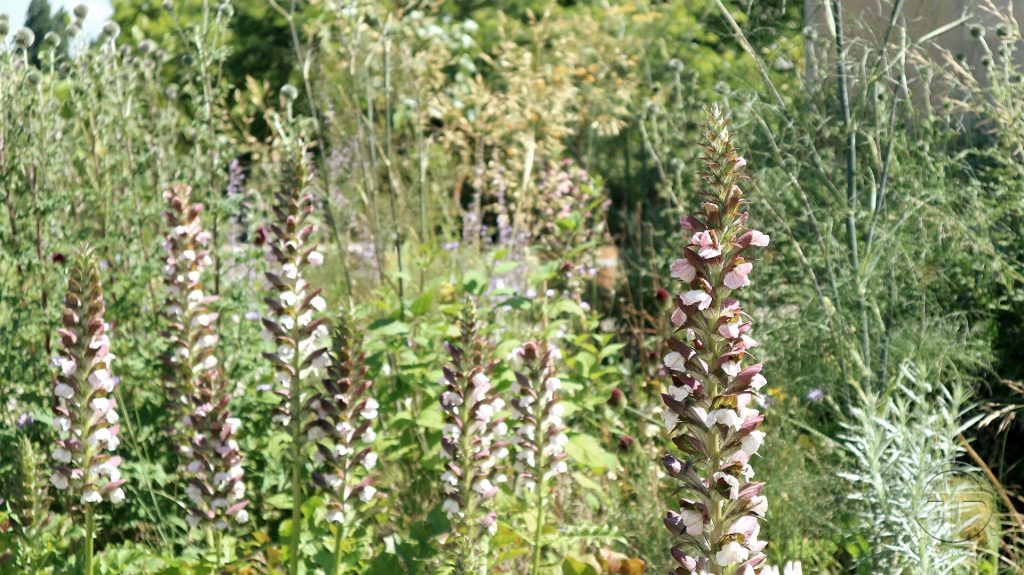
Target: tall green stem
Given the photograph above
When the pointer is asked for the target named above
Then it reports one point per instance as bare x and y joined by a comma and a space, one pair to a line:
90, 530
339, 540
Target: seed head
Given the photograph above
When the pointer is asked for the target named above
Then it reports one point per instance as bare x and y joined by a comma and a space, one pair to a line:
5, 26
111, 30
289, 92
24, 38
81, 11
52, 39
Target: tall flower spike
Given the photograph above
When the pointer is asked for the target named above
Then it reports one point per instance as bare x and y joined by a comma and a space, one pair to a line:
301, 356
85, 408
540, 434
197, 391
472, 444
343, 430
709, 402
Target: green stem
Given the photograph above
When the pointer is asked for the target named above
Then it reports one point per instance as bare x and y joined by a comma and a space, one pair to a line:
217, 547
537, 531
339, 539
90, 530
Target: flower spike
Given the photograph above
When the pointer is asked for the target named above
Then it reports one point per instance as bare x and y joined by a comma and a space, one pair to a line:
709, 402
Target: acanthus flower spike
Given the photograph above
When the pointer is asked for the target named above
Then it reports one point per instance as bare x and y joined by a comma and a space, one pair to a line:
198, 393
709, 402
293, 323
540, 437
473, 445
85, 409
343, 433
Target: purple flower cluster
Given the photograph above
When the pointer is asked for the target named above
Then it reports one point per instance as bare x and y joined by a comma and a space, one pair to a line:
85, 410
709, 404
540, 432
197, 391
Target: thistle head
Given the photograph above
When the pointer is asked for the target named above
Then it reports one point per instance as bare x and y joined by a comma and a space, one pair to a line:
24, 38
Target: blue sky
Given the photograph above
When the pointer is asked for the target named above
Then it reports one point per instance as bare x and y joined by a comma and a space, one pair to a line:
99, 12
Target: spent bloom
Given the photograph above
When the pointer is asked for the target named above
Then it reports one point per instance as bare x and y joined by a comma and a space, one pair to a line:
198, 394
473, 443
709, 404
85, 410
343, 428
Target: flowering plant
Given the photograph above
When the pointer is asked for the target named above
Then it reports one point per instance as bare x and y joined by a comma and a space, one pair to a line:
301, 355
540, 434
85, 414
709, 402
343, 431
198, 393
472, 444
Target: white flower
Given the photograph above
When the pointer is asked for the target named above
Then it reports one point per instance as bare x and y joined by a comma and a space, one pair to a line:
451, 399
242, 516
731, 553
731, 368
759, 504
62, 455
193, 520
679, 392
732, 482
91, 496
63, 391
726, 417
694, 521
370, 460
752, 442
99, 404
59, 480
670, 418
675, 361
758, 381
116, 496
682, 270
451, 507
759, 239
699, 297
335, 516
62, 424
318, 303
315, 258
67, 365
101, 435
369, 410
483, 486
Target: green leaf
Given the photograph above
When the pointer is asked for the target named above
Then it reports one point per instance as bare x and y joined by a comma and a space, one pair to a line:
421, 305
586, 450
572, 566
280, 501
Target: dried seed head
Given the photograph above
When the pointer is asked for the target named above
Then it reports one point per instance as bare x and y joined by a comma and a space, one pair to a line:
24, 38
146, 46
5, 26
52, 39
111, 30
289, 92
73, 30
81, 11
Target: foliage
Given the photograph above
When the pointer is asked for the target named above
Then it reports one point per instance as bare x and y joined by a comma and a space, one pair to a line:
534, 158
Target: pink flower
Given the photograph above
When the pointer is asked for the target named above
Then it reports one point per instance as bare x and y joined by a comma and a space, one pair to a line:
740, 162
699, 297
683, 270
737, 277
706, 242
758, 239
678, 317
